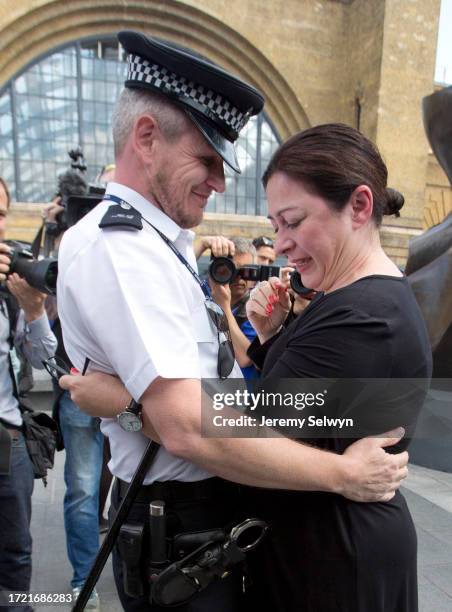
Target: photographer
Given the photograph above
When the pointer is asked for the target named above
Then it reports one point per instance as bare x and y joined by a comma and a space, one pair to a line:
24, 327
265, 250
83, 445
83, 440
233, 298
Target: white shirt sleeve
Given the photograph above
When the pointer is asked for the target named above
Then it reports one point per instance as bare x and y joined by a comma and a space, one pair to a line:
35, 340
124, 302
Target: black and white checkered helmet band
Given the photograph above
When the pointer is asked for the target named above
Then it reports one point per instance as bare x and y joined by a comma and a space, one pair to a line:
211, 103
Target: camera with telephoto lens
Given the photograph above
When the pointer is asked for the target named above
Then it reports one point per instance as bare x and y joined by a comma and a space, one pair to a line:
71, 182
40, 274
223, 271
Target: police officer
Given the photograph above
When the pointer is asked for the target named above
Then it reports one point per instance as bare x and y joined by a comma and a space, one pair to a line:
130, 301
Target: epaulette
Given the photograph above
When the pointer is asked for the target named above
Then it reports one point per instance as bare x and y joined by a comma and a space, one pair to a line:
122, 216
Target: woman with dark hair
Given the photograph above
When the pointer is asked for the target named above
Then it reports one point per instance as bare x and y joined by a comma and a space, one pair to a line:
327, 194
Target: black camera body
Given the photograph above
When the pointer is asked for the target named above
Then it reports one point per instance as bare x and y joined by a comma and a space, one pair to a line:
297, 286
41, 275
223, 271
78, 206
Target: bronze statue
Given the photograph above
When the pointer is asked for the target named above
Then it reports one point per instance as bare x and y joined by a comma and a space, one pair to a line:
429, 265
429, 271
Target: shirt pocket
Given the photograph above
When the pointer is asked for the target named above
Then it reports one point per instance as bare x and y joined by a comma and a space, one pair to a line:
203, 327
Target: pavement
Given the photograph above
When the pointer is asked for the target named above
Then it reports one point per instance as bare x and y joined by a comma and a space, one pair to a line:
428, 493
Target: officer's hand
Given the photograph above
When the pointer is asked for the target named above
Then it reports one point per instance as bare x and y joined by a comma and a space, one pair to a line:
371, 474
96, 393
219, 246
267, 308
30, 299
221, 294
4, 260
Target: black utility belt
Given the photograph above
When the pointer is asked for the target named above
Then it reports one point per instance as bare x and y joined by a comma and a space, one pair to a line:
170, 571
172, 491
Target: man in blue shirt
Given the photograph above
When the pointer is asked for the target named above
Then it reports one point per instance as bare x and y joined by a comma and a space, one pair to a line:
232, 299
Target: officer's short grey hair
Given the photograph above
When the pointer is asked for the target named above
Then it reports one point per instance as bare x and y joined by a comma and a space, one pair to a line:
132, 103
244, 245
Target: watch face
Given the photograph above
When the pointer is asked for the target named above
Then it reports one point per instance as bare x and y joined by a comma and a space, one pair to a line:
129, 421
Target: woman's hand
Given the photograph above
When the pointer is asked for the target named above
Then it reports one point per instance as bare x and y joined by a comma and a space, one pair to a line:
285, 274
96, 393
268, 307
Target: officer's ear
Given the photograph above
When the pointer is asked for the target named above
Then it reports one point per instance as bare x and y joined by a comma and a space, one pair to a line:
145, 133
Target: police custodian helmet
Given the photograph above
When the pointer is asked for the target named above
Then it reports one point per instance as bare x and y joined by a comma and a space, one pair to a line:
218, 103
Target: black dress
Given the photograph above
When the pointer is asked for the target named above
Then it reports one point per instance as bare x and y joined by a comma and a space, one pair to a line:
326, 553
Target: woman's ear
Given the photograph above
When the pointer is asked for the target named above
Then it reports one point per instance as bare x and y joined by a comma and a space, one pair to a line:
144, 134
362, 204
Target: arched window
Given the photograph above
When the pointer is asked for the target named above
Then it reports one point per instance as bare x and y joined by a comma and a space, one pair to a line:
66, 99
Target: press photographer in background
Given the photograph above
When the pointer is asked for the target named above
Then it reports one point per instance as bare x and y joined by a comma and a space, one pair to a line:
265, 250
232, 298
24, 327
72, 182
232, 295
83, 440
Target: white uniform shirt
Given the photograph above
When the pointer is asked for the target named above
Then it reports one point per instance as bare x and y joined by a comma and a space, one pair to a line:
128, 303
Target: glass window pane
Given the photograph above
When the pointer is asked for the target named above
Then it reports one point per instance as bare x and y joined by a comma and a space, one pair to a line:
57, 109
244, 195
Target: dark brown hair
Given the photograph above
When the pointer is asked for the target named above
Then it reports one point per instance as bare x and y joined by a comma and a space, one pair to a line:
332, 160
5, 187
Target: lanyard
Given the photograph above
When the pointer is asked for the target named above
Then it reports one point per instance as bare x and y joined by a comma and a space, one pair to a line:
202, 283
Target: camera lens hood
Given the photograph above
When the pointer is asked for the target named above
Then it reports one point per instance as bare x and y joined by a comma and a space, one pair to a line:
222, 270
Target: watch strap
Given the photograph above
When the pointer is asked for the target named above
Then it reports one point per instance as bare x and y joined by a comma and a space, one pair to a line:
134, 407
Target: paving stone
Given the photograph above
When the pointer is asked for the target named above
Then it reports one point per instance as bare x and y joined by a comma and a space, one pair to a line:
427, 514
431, 549
444, 535
440, 576
432, 599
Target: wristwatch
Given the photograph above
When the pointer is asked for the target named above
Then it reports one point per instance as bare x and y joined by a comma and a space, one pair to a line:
130, 418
